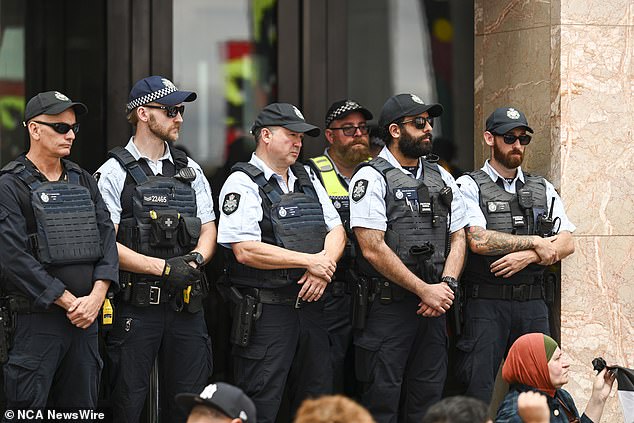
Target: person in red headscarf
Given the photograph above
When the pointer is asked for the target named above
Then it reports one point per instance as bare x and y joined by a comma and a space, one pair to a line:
536, 363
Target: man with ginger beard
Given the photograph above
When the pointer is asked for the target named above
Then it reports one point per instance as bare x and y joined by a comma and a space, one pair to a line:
347, 133
405, 212
511, 242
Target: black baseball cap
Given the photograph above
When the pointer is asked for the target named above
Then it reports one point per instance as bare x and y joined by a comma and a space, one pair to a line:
159, 89
504, 119
226, 398
51, 103
342, 108
285, 115
402, 105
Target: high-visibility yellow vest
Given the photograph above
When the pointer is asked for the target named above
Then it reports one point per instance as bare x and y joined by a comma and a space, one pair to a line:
329, 177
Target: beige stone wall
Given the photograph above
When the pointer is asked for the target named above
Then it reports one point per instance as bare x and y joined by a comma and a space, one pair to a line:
569, 65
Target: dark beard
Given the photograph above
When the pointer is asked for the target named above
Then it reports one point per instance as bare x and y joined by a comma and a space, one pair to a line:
162, 133
414, 148
508, 160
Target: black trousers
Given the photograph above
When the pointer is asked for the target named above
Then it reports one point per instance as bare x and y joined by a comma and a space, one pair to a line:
338, 321
401, 361
491, 327
140, 335
52, 364
289, 348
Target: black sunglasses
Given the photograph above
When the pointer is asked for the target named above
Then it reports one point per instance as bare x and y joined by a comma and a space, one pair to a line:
420, 122
349, 130
510, 139
60, 127
171, 111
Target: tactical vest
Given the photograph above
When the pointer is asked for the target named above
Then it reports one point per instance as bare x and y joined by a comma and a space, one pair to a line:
504, 213
418, 216
65, 228
158, 216
294, 221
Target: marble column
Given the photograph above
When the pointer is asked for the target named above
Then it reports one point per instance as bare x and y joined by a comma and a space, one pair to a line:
569, 65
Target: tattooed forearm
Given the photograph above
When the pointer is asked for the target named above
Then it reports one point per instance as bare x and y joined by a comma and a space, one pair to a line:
493, 243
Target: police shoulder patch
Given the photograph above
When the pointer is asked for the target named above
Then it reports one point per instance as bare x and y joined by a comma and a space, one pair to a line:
359, 189
230, 203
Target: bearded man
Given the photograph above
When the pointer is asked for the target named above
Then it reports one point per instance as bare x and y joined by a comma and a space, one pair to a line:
347, 133
408, 215
161, 206
517, 227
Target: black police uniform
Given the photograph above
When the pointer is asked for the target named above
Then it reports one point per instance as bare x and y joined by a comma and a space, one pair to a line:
55, 236
337, 299
401, 358
500, 310
287, 345
152, 320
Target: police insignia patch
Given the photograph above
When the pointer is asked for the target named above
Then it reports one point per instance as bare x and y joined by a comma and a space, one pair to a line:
298, 113
60, 96
230, 203
359, 189
512, 113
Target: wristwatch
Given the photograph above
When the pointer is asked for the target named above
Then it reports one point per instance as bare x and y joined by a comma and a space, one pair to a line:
198, 258
450, 281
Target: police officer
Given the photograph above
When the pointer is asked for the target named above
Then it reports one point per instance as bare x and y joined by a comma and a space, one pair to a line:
59, 258
284, 237
160, 203
347, 135
517, 226
407, 215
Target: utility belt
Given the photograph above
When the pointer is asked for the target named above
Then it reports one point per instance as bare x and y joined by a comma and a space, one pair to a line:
7, 327
365, 290
247, 306
386, 291
520, 292
279, 296
144, 291
19, 304
242, 275
340, 284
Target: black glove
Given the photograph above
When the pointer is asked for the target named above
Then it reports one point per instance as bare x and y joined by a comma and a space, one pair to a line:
178, 274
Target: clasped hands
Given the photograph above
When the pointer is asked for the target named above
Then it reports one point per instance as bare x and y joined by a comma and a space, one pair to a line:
318, 275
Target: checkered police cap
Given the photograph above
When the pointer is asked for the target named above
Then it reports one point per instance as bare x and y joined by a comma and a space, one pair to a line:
342, 108
155, 88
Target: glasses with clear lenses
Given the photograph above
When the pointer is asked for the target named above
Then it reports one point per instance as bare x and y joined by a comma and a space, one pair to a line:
510, 139
60, 127
420, 122
171, 111
349, 130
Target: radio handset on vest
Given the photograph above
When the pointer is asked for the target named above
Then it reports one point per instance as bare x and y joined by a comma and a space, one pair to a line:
186, 174
525, 199
424, 200
546, 223
445, 197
